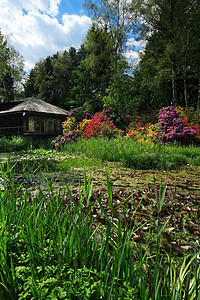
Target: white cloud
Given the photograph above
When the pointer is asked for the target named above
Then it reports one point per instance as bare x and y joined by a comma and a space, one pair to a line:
135, 44
50, 7
132, 57
134, 48
34, 30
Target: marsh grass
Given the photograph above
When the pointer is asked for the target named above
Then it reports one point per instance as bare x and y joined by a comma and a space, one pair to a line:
52, 248
135, 154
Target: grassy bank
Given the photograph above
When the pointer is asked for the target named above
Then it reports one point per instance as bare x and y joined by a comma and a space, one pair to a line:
97, 245
136, 155
131, 153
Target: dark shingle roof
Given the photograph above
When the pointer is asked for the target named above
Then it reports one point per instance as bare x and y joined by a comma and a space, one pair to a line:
33, 104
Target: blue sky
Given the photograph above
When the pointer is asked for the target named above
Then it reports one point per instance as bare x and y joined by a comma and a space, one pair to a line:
71, 7
38, 28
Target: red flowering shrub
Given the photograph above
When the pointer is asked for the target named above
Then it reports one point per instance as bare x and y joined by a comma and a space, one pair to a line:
136, 123
99, 125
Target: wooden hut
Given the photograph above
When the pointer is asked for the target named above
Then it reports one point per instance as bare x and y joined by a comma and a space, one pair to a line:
32, 117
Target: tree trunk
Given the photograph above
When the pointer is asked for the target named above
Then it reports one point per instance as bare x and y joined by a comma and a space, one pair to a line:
198, 99
174, 91
185, 91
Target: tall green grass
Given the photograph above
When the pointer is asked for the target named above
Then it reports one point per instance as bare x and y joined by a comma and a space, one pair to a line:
136, 155
51, 248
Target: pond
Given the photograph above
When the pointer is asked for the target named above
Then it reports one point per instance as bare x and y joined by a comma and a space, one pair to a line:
61, 170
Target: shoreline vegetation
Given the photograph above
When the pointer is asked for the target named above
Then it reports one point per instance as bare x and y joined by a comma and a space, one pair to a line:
129, 152
108, 242
98, 214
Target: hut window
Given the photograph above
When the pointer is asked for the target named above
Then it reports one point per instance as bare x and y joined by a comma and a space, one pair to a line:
48, 125
57, 125
31, 124
37, 124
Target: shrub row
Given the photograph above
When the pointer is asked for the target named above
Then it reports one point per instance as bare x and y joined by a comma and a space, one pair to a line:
173, 125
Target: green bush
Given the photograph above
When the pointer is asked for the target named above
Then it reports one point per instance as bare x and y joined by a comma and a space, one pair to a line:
19, 143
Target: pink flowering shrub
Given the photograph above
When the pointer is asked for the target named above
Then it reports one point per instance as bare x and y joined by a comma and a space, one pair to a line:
171, 128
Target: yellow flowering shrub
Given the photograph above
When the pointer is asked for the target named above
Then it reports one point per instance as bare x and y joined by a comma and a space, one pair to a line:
80, 129
188, 113
144, 134
69, 125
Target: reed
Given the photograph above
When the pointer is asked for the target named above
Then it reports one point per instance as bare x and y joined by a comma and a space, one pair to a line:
136, 154
51, 247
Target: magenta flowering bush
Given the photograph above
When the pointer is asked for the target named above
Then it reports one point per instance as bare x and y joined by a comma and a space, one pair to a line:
170, 128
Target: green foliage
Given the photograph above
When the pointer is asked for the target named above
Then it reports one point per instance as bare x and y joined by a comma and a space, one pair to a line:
3, 52
11, 71
121, 92
136, 154
17, 143
68, 246
51, 78
93, 75
168, 66
99, 57
11, 144
117, 17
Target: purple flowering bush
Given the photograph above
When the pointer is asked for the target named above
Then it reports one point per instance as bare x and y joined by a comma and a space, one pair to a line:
170, 128
60, 141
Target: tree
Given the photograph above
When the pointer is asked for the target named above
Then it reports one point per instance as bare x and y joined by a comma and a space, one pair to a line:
121, 91
3, 55
16, 65
51, 78
11, 71
91, 78
43, 79
6, 82
117, 17
99, 57
171, 36
30, 85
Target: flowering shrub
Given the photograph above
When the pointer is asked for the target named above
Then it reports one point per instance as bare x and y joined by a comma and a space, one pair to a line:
135, 125
80, 129
145, 134
70, 137
174, 125
191, 118
69, 125
190, 113
138, 129
171, 128
99, 125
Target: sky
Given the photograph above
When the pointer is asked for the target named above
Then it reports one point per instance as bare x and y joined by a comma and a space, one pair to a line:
39, 28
